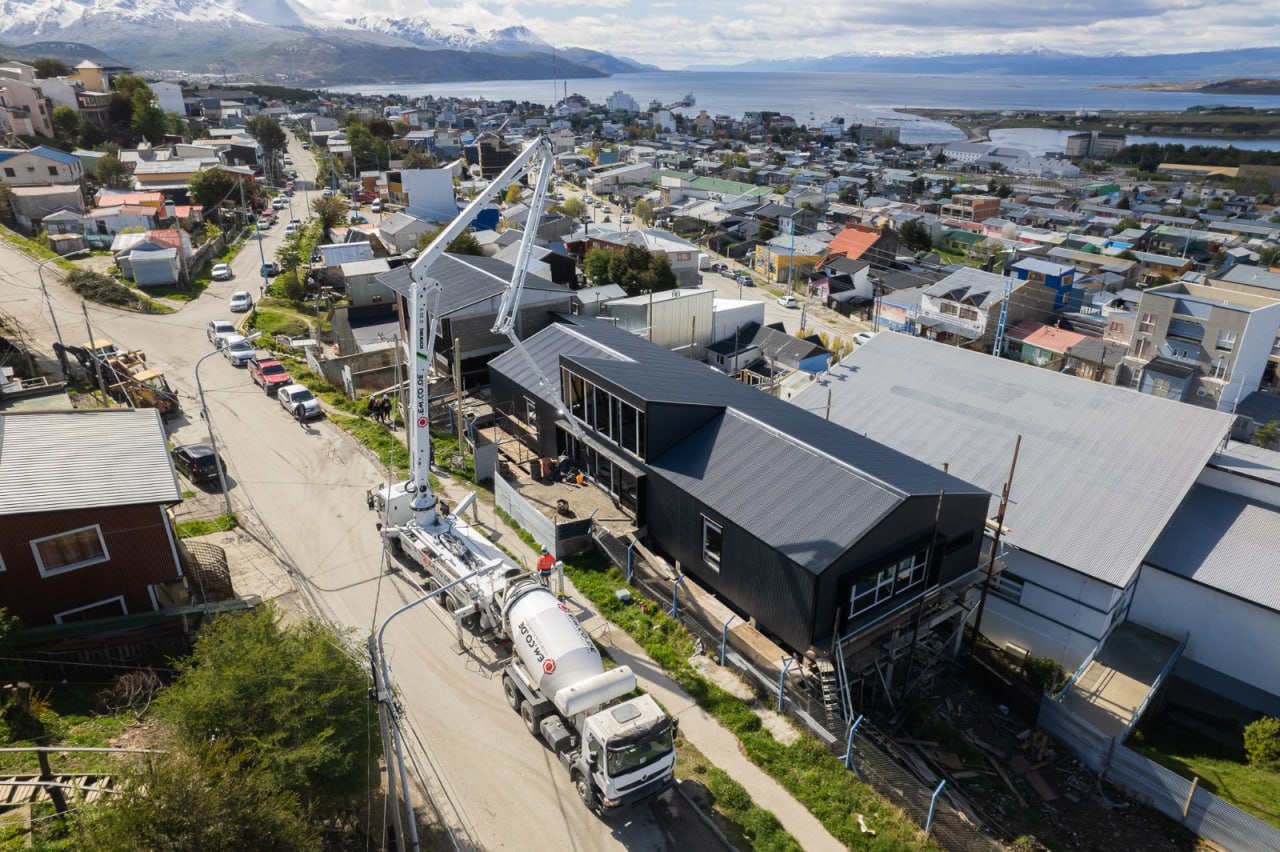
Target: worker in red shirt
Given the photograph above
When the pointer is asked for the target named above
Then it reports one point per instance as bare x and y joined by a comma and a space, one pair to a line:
546, 564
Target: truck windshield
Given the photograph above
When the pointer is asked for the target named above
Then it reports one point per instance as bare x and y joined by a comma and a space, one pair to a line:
639, 755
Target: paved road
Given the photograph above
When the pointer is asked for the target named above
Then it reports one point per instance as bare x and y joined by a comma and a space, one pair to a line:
303, 490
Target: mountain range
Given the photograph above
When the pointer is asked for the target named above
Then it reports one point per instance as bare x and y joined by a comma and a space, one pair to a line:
281, 41
1250, 62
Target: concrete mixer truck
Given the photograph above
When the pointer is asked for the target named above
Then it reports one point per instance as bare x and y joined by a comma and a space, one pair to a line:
616, 742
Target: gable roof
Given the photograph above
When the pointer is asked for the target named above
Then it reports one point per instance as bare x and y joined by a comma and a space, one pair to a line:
54, 154
466, 280
53, 461
1087, 493
853, 241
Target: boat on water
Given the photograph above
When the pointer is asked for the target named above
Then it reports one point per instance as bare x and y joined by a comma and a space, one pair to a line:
687, 101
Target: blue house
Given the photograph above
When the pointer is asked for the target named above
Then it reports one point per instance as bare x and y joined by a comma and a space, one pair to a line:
1058, 277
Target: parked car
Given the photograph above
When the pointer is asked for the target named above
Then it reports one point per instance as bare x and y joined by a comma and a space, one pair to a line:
863, 337
788, 301
197, 462
240, 302
218, 331
365, 197
376, 206
268, 374
222, 272
327, 193
270, 269
626, 220
291, 396
237, 350
279, 202
292, 228
745, 280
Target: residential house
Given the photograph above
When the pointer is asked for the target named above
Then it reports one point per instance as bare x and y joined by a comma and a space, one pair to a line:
1096, 359
23, 99
100, 226
964, 307
31, 204
681, 254
787, 258
878, 246
767, 351
1204, 345
1033, 342
155, 258
606, 180
707, 466
1058, 277
39, 166
85, 531
1074, 543
401, 230
1087, 263
1160, 268
679, 320
360, 281
971, 208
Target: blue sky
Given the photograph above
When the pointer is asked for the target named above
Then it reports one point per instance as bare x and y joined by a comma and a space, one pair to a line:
676, 33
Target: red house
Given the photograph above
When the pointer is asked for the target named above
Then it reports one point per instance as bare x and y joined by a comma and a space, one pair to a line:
84, 527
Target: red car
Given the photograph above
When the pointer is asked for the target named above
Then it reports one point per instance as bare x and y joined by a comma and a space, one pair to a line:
365, 197
269, 374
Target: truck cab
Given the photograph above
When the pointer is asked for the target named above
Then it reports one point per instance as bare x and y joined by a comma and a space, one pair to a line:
630, 754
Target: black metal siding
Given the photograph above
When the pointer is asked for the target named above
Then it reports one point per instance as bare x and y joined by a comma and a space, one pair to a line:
907, 528
753, 577
509, 399
669, 424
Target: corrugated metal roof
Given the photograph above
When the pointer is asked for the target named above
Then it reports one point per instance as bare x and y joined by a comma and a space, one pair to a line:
1226, 542
763, 481
1250, 460
465, 280
1100, 471
57, 460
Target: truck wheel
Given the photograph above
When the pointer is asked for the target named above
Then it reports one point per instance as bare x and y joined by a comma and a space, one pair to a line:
583, 786
530, 717
509, 689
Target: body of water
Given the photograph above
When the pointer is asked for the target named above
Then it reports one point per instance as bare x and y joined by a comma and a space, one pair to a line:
1038, 140
812, 97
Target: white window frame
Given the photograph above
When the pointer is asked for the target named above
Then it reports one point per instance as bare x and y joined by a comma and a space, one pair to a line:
879, 593
84, 563
1008, 587
712, 559
1147, 323
1227, 339
916, 568
124, 607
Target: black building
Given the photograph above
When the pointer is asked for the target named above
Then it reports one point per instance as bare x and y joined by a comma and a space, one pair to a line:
808, 528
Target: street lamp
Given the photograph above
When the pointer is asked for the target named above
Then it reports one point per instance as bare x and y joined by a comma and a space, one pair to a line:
49, 304
204, 412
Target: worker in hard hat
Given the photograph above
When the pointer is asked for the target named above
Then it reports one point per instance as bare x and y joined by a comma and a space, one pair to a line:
546, 564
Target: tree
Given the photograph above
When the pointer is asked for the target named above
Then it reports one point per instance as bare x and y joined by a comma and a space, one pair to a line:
1004, 191
206, 797
210, 187
915, 235
289, 254
766, 232
1126, 224
1123, 203
48, 66
148, 119
514, 192
66, 123
633, 268
1262, 742
572, 207
416, 158
113, 173
1265, 435
268, 133
330, 211
1268, 256
293, 696
464, 243
644, 211
6, 192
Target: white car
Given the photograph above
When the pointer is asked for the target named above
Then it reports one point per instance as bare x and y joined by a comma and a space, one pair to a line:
219, 330
222, 272
291, 229
237, 350
279, 203
376, 206
626, 220
788, 301
863, 337
291, 396
240, 302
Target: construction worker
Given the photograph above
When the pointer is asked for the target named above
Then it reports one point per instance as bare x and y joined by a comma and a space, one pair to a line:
546, 564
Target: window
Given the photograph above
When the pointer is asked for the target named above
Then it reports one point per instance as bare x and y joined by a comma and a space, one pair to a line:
8, 172
1218, 369
1142, 348
910, 571
970, 314
1147, 323
531, 412
871, 591
1008, 586
1226, 340
53, 171
109, 608
951, 309
70, 550
712, 542
1162, 388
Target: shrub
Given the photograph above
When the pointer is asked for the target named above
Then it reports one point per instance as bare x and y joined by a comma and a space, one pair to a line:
1262, 741
1043, 674
104, 289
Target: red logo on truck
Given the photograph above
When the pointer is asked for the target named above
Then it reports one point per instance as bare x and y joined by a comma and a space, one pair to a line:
549, 667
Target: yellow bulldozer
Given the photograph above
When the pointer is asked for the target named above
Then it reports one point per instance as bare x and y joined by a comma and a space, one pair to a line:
127, 378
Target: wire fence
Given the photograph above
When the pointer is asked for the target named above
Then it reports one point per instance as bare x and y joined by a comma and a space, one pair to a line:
865, 751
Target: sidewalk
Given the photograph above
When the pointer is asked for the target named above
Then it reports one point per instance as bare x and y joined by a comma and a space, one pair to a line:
719, 745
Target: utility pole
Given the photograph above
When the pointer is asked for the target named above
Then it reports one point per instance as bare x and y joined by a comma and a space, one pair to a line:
457, 392
100, 364
995, 545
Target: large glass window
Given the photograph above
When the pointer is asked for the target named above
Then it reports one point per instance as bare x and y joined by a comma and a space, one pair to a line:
872, 590
70, 550
608, 415
712, 542
1226, 339
910, 570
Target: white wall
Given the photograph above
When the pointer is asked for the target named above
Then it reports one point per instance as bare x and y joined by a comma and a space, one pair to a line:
729, 315
169, 97
431, 190
1263, 492
1228, 635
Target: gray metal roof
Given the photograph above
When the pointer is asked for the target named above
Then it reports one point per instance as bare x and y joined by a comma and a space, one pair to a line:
1226, 542
545, 348
465, 280
1101, 469
53, 461
1249, 460
971, 286
1254, 276
728, 463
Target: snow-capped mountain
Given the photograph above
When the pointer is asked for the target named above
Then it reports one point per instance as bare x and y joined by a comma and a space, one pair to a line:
47, 18
420, 30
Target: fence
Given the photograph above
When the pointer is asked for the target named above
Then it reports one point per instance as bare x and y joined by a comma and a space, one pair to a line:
1181, 800
872, 756
561, 539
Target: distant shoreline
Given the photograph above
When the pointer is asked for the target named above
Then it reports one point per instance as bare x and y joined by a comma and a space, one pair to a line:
1225, 125
1235, 86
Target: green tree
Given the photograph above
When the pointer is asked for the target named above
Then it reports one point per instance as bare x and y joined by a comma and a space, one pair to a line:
210, 187
1216, 203
464, 243
113, 173
1267, 434
633, 268
148, 119
416, 158
207, 797
291, 695
514, 193
1123, 203
1267, 257
1127, 223
330, 211
289, 254
915, 235
268, 133
66, 123
1262, 742
48, 66
367, 150
6, 193
1004, 191
766, 232
644, 211
572, 207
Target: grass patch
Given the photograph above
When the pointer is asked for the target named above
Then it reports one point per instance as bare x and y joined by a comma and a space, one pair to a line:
278, 322
205, 526
106, 290
67, 716
1253, 789
747, 825
805, 768
378, 438
35, 250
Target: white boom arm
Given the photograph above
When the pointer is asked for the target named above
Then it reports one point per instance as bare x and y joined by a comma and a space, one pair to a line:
424, 298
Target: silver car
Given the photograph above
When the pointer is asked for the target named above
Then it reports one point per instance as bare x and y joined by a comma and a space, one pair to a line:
291, 396
237, 350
